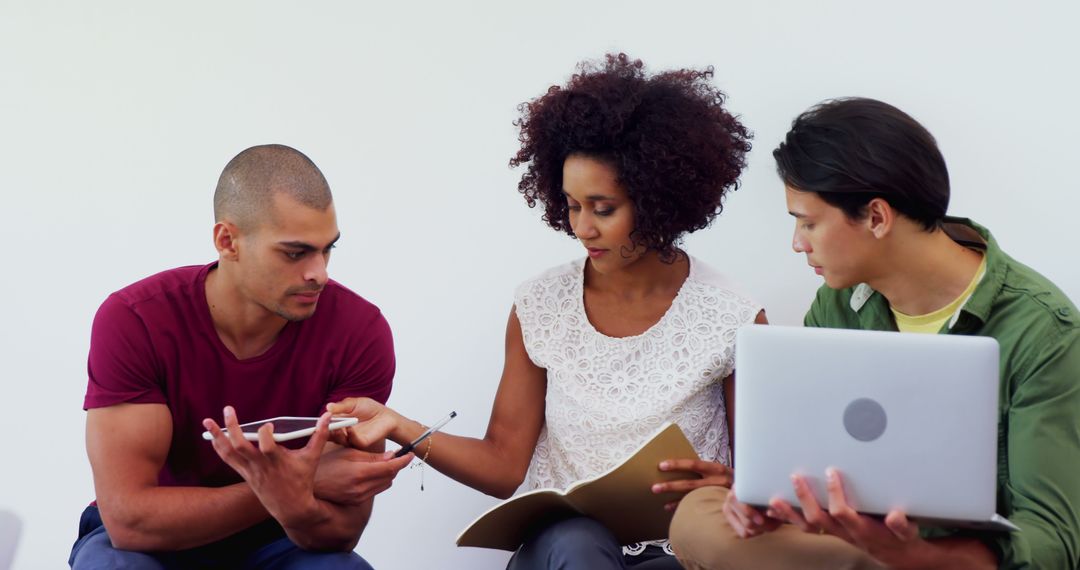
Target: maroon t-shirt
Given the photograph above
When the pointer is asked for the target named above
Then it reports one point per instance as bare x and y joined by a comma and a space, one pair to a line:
154, 342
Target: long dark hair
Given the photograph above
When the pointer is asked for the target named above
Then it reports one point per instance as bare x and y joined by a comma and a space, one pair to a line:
850, 151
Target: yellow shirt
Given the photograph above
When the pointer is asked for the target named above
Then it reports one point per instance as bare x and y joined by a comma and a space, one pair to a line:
931, 323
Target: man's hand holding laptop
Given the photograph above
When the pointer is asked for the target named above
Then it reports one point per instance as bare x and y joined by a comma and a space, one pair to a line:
894, 541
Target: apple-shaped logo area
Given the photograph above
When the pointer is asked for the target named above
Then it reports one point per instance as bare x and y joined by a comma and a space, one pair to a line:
865, 419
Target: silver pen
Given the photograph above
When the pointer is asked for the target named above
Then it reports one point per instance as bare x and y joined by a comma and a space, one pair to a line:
425, 435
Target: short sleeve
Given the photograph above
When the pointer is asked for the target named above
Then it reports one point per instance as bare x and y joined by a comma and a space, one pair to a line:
525, 301
369, 365
122, 366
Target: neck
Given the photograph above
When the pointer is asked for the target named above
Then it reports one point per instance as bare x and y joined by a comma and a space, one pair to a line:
246, 328
646, 276
924, 272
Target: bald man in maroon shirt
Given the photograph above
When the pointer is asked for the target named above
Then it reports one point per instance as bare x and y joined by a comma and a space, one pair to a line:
261, 332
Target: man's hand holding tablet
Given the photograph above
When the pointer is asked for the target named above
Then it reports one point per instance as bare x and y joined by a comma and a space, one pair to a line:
282, 479
286, 428
304, 476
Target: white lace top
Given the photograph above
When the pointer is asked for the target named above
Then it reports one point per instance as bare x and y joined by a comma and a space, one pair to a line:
606, 396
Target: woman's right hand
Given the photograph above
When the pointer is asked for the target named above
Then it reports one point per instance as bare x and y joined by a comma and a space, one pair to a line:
746, 520
711, 473
377, 422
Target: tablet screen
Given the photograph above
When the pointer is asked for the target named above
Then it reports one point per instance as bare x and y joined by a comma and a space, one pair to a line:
282, 425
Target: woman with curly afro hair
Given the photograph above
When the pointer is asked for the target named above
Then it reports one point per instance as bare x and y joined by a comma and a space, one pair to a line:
604, 350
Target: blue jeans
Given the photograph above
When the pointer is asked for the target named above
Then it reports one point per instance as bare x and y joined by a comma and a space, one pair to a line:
584, 544
264, 546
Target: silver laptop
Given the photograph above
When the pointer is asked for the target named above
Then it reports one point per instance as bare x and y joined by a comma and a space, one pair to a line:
910, 420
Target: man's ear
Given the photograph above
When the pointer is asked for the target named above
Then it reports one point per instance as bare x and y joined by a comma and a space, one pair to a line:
880, 217
227, 240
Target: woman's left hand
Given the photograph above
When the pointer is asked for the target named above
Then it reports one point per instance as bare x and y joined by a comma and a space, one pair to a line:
712, 473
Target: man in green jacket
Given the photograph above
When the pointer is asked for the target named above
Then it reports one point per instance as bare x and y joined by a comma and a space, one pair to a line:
869, 189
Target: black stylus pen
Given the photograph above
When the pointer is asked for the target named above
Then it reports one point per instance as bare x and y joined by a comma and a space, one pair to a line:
425, 435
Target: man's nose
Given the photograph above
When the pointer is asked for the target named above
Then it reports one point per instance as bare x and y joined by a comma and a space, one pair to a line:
799, 244
316, 270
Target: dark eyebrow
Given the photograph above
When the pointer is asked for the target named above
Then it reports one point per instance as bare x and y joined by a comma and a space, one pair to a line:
307, 246
593, 197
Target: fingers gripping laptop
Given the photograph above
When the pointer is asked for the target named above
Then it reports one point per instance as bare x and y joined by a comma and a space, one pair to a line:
910, 420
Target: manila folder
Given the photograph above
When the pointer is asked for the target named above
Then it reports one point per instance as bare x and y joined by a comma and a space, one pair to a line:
620, 498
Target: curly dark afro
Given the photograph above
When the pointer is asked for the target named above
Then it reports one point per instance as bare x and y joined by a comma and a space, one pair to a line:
674, 147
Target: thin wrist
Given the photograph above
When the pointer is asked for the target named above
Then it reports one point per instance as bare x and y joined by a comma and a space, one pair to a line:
405, 430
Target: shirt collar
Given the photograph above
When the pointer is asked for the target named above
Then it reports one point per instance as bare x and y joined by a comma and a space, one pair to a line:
968, 234
860, 295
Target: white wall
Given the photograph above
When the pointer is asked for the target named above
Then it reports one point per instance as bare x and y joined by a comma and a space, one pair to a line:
116, 118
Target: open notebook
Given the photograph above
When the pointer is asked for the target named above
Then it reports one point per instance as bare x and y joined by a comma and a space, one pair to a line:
620, 498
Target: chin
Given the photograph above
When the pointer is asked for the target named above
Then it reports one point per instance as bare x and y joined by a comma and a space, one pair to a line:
295, 316
839, 283
610, 264
604, 267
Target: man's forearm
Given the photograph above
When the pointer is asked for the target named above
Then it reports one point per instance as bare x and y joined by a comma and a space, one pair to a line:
178, 518
958, 554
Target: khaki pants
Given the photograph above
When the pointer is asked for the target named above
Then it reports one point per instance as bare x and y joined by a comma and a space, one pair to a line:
703, 540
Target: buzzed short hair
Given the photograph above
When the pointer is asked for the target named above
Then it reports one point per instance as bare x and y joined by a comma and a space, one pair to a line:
250, 180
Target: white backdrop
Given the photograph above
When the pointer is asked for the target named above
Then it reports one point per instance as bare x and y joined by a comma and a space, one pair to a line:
116, 118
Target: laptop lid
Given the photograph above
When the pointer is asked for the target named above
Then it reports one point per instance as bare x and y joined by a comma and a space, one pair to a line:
910, 420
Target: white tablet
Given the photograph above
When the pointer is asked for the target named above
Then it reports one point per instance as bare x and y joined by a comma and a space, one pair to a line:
287, 427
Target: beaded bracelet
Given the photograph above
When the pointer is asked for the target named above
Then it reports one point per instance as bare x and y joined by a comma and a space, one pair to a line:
423, 461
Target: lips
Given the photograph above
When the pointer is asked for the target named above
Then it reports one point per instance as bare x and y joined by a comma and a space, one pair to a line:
595, 252
308, 296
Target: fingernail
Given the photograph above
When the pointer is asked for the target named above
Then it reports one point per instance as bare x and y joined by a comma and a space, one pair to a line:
228, 411
657, 488
664, 465
831, 473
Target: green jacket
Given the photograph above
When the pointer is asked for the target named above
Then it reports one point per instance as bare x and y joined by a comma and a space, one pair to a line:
1038, 329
